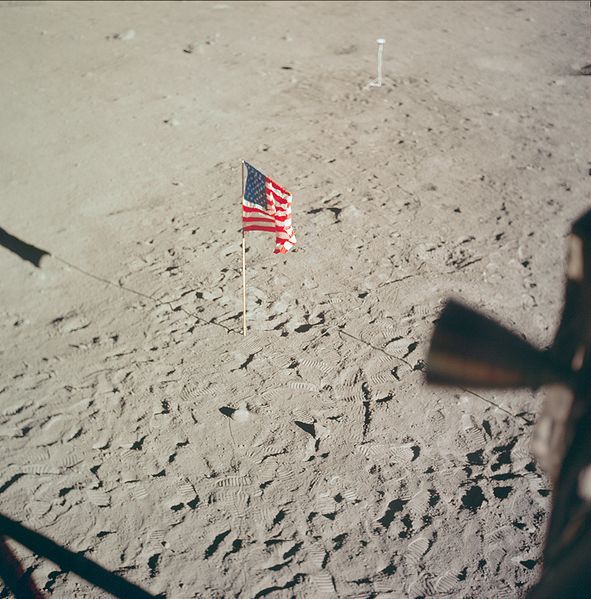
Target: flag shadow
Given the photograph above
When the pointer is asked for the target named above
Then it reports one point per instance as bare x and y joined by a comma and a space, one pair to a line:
34, 255
23, 250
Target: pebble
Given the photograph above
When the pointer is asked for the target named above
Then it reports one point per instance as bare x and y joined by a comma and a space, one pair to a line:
126, 36
241, 414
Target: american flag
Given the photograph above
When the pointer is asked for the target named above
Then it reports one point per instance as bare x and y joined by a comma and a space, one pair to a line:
266, 206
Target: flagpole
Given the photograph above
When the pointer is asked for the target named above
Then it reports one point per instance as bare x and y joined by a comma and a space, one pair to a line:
243, 264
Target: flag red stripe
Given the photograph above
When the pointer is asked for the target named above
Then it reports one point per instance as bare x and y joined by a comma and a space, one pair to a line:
278, 198
282, 218
283, 235
273, 185
259, 228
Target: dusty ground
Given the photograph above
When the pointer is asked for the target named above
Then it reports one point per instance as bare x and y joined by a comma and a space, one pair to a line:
308, 459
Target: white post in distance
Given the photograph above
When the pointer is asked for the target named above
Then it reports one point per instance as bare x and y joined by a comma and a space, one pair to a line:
378, 82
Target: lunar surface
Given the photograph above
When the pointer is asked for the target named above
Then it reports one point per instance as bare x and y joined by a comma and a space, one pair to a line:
309, 458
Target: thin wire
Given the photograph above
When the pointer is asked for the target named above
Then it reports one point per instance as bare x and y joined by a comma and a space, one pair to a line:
139, 293
492, 403
324, 333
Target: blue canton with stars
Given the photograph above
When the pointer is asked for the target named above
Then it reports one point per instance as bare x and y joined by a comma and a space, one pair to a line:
255, 187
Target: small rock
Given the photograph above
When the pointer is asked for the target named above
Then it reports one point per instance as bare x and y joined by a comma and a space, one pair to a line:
344, 50
331, 196
242, 415
126, 36
212, 295
350, 213
103, 442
